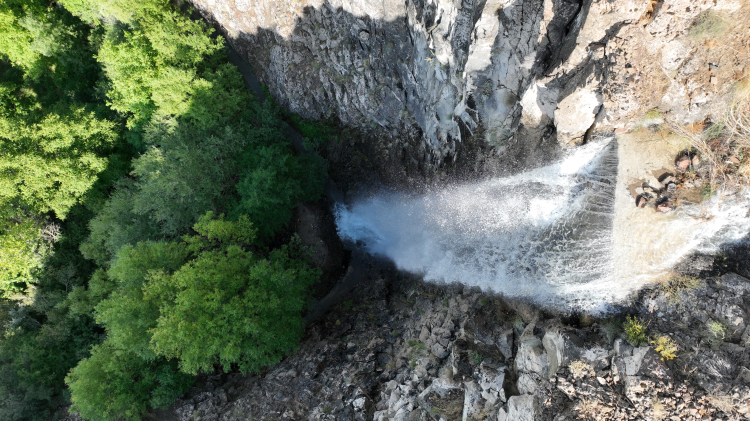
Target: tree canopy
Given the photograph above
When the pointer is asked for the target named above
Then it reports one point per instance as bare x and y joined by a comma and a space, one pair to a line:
141, 189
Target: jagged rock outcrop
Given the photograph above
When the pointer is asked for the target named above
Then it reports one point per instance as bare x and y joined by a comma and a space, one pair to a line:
423, 79
372, 358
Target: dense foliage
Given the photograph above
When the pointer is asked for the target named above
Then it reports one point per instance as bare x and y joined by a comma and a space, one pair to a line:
140, 188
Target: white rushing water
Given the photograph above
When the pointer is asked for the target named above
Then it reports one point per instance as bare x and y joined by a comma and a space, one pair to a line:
545, 234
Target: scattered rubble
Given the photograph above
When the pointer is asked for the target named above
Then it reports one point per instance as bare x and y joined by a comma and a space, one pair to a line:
405, 350
664, 190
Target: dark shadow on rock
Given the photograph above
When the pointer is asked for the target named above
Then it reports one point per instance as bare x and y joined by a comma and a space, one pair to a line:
369, 76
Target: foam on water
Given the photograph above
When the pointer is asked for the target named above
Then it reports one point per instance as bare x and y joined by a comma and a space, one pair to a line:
545, 234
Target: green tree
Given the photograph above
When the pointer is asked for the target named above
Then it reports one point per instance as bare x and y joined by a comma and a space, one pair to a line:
49, 163
273, 182
228, 305
22, 250
116, 384
126, 315
157, 67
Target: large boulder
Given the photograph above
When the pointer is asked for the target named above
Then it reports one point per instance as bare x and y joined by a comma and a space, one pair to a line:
443, 398
531, 357
576, 114
638, 367
522, 408
473, 402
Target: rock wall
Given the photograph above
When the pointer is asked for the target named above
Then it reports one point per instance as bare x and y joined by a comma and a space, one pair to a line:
421, 78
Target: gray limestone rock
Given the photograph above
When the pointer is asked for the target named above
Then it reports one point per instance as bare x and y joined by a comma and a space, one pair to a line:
531, 357
576, 114
522, 408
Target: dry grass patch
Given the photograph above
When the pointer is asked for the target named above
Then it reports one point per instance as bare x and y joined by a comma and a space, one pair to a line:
580, 369
724, 146
709, 24
589, 409
673, 284
658, 409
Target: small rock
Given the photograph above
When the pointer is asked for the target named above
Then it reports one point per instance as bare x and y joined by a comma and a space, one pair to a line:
668, 179
360, 403
439, 350
696, 160
664, 207
502, 415
744, 375
641, 201
733, 160
526, 384
683, 163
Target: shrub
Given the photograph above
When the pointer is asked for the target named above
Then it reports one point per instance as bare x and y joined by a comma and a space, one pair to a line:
635, 331
476, 357
664, 346
715, 333
611, 329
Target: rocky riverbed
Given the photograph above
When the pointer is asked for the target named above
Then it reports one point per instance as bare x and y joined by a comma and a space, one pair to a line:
400, 349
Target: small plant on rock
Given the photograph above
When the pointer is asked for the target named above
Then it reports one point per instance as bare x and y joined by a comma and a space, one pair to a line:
476, 357
675, 284
722, 402
664, 346
635, 331
611, 328
716, 333
589, 409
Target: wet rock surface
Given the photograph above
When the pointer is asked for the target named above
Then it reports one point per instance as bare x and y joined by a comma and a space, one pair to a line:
663, 190
399, 349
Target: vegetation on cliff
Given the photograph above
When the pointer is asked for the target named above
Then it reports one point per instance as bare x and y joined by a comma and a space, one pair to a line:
141, 187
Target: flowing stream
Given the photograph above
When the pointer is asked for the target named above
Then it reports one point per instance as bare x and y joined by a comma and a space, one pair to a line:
550, 234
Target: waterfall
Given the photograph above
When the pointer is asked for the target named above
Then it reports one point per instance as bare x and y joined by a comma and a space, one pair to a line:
546, 234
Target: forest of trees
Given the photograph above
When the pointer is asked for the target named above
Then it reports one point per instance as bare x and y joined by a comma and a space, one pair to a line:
144, 195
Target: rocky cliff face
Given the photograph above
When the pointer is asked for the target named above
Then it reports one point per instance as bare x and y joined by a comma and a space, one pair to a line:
423, 80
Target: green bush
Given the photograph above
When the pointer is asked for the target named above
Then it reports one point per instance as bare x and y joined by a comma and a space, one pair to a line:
635, 331
664, 346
